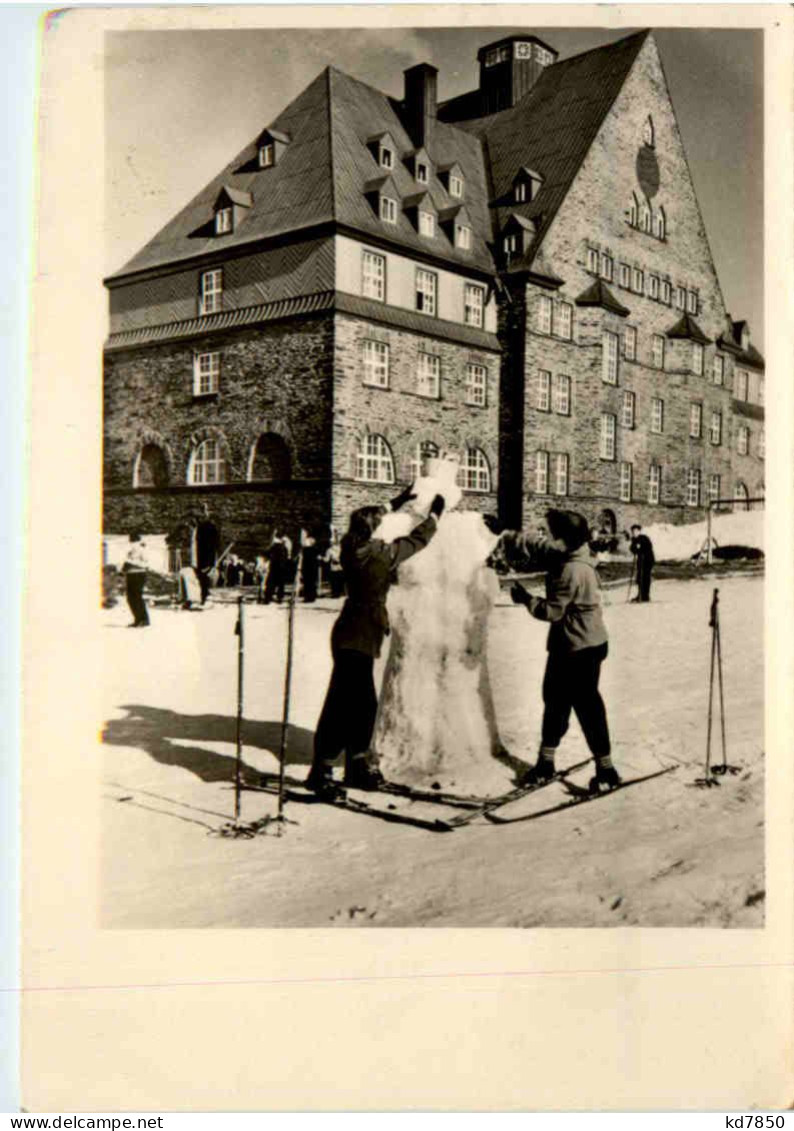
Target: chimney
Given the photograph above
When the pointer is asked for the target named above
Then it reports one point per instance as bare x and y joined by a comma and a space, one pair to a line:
509, 68
420, 103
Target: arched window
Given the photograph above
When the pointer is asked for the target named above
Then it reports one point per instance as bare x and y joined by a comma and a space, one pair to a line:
423, 451
475, 471
741, 494
374, 462
634, 212
151, 468
648, 131
207, 464
645, 218
270, 459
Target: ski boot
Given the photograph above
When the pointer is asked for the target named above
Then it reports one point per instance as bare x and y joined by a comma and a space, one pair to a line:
539, 774
359, 774
606, 778
321, 782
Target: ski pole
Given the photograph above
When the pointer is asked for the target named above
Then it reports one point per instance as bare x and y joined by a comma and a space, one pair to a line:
713, 621
240, 654
287, 684
719, 675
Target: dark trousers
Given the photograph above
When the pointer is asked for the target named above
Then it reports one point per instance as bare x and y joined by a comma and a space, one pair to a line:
571, 683
274, 586
347, 719
135, 584
644, 570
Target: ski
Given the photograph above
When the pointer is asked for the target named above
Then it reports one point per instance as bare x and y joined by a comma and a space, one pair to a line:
581, 797
435, 796
516, 794
353, 805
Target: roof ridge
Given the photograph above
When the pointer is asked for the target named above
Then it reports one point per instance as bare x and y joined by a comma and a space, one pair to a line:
643, 34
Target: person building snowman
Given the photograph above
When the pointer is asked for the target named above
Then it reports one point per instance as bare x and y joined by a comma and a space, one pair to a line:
347, 719
577, 644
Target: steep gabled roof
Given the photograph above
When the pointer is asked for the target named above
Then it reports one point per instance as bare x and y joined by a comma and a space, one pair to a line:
551, 128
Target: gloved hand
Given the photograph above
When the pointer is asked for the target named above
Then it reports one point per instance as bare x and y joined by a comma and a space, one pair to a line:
518, 594
437, 506
404, 497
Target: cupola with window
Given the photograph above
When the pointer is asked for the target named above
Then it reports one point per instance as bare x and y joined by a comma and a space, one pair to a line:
270, 146
526, 185
509, 68
231, 206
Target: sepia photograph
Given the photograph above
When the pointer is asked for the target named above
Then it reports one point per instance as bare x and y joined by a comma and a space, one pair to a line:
433, 469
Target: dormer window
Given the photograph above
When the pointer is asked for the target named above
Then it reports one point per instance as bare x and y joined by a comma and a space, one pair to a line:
526, 185
521, 192
388, 210
267, 155
647, 132
383, 198
463, 237
455, 185
510, 244
427, 223
270, 146
223, 221
383, 149
422, 173
518, 235
451, 177
386, 157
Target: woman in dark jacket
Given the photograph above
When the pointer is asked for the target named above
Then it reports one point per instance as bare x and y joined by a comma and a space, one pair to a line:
348, 715
577, 645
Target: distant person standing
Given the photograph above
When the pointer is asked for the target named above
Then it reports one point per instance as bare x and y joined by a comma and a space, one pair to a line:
642, 549
278, 555
310, 567
134, 569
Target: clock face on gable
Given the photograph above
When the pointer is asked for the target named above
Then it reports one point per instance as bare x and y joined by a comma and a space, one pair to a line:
648, 171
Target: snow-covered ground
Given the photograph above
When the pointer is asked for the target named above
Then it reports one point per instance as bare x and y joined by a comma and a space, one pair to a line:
664, 853
679, 543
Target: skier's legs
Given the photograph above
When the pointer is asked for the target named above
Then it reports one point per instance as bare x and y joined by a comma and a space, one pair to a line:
557, 701
587, 701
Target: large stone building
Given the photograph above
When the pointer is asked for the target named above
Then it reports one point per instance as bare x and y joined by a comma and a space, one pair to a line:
519, 276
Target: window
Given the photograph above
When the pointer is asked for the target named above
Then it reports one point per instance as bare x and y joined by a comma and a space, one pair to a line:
637, 281
386, 157
510, 244
426, 286
266, 155
742, 385
388, 210
695, 421
714, 488
633, 212
653, 286
657, 415
473, 303
654, 483
716, 429
542, 473
718, 370
667, 291
645, 218
223, 221
607, 266
376, 364
543, 401
455, 186
697, 358
543, 56
475, 472
373, 276
422, 174
625, 275
521, 192
207, 464
206, 373
606, 448
476, 387
211, 295
692, 302
423, 451
560, 474
743, 440
680, 298
544, 315
647, 131
562, 394
741, 494
428, 375
660, 225
693, 487
592, 260
657, 351
626, 477
564, 320
609, 358
462, 237
630, 343
629, 410
427, 223
374, 463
